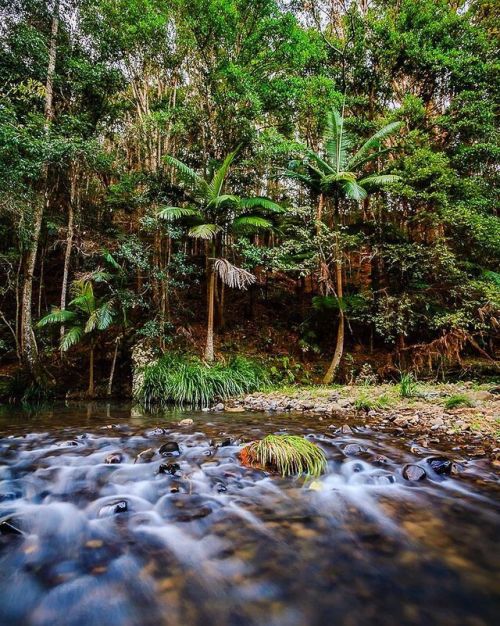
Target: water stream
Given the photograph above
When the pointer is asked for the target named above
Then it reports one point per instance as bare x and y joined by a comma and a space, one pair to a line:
92, 533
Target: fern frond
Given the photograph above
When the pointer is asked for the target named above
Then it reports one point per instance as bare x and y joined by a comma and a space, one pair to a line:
204, 231
71, 337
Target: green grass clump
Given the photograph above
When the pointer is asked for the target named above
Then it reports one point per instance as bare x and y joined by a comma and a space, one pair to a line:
288, 455
408, 387
364, 403
177, 379
458, 400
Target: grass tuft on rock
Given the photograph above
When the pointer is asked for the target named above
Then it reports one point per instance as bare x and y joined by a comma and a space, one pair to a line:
288, 455
178, 379
458, 400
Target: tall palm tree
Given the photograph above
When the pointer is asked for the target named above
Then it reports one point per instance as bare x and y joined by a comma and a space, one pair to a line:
213, 215
84, 317
338, 173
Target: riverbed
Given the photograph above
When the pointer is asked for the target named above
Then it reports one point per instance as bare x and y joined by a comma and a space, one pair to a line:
98, 527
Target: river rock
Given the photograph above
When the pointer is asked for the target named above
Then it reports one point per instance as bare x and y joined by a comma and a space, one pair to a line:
113, 458
440, 465
344, 403
156, 432
413, 473
346, 429
114, 508
169, 468
171, 448
186, 422
145, 456
437, 423
351, 449
218, 407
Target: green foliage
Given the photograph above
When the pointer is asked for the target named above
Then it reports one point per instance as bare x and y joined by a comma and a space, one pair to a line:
458, 400
408, 387
288, 455
176, 379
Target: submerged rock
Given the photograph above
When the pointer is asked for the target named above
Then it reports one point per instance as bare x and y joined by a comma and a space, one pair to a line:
171, 448
414, 473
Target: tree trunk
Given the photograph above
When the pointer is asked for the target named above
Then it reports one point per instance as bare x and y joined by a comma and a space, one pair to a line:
339, 347
209, 349
90, 391
113, 366
28, 343
69, 244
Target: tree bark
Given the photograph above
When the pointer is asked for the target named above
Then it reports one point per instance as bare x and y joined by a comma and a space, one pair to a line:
28, 343
209, 348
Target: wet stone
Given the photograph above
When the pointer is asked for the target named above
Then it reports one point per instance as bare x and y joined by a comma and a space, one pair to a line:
169, 468
145, 456
156, 432
440, 465
413, 473
351, 449
114, 458
346, 429
171, 448
114, 508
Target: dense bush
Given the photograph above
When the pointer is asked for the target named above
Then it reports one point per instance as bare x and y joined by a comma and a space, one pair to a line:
177, 379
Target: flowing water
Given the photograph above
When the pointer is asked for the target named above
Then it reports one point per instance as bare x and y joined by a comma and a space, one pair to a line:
209, 542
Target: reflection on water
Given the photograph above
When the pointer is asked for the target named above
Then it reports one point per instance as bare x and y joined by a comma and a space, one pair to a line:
96, 527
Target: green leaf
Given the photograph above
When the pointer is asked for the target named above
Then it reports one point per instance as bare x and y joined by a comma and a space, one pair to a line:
261, 202
354, 191
251, 222
204, 231
171, 213
379, 180
71, 337
372, 143
56, 316
220, 175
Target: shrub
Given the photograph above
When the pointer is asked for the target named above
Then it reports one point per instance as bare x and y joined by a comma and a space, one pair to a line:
287, 455
177, 379
460, 399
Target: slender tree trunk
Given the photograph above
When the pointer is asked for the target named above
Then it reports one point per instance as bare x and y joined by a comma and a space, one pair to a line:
28, 343
113, 366
90, 391
209, 349
69, 244
339, 347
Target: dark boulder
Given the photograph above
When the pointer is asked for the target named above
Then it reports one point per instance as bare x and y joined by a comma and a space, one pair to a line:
171, 448
440, 465
145, 456
169, 468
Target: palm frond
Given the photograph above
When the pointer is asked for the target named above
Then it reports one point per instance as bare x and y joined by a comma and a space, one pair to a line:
251, 222
56, 316
71, 337
262, 203
226, 197
353, 190
204, 231
186, 173
232, 276
372, 143
105, 314
83, 292
217, 181
172, 213
379, 180
337, 140
306, 179
322, 167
